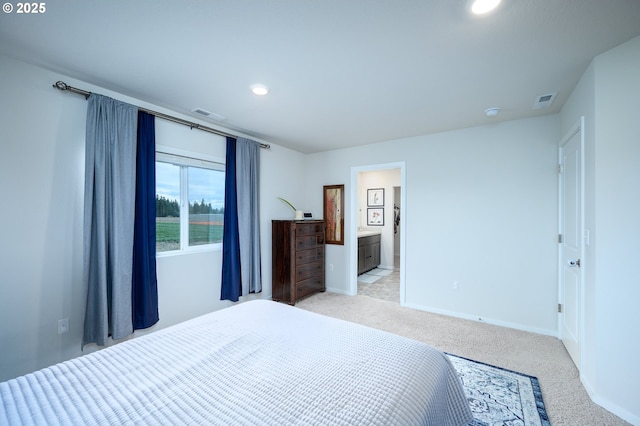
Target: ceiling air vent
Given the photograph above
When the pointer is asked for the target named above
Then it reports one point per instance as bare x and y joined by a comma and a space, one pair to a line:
210, 115
544, 101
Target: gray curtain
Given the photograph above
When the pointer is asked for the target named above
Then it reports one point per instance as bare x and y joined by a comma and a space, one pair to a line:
247, 181
109, 204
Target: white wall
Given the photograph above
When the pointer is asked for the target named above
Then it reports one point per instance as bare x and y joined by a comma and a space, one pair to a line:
41, 188
481, 209
618, 217
609, 98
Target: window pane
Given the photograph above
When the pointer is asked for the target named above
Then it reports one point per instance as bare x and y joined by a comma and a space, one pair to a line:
167, 207
206, 205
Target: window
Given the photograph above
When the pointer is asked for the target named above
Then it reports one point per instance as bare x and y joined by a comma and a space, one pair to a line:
189, 203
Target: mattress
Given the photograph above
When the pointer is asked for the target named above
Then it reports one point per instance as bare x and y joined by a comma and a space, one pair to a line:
255, 363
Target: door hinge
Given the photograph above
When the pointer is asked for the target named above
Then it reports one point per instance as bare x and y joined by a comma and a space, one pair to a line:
560, 168
559, 238
559, 308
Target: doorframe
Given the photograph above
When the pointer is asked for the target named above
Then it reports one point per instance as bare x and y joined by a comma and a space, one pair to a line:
578, 127
352, 223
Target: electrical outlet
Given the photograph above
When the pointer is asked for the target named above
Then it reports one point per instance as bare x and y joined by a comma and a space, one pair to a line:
454, 285
331, 267
63, 325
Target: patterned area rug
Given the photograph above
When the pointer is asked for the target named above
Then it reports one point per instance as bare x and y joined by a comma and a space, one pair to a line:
500, 397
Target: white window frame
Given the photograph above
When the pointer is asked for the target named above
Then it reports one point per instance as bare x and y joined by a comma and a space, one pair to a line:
185, 159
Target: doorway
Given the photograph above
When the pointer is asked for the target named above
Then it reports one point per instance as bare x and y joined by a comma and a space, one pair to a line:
571, 253
387, 180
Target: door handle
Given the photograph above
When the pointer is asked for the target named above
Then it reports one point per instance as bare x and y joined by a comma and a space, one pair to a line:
573, 263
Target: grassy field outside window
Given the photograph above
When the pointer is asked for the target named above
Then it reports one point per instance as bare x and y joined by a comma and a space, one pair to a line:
195, 193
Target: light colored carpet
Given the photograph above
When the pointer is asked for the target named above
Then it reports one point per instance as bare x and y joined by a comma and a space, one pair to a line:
565, 398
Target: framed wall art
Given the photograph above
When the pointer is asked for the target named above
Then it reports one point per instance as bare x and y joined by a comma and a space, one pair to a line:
375, 217
375, 197
334, 214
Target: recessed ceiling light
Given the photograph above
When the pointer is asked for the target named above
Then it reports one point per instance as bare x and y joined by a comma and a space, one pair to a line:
259, 89
480, 7
492, 112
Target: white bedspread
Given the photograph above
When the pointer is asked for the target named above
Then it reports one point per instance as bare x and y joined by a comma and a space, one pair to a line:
256, 363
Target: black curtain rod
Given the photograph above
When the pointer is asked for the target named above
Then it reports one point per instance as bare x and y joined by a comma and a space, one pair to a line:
60, 85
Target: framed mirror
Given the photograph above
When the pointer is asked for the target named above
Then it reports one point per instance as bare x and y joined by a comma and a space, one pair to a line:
334, 214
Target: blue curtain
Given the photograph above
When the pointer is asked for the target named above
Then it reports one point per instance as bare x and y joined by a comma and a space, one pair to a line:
247, 184
241, 265
231, 272
109, 204
145, 283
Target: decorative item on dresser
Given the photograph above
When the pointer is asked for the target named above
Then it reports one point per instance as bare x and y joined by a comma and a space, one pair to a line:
297, 259
298, 213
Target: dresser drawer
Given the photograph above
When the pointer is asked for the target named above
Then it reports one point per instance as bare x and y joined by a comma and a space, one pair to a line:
309, 241
310, 255
310, 228
309, 270
310, 286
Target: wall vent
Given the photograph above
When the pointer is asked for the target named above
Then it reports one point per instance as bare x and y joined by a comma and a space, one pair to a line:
208, 114
544, 101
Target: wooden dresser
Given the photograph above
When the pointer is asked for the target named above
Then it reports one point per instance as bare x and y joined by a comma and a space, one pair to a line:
297, 259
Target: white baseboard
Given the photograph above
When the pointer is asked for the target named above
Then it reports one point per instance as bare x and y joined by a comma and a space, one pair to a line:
516, 326
339, 291
634, 419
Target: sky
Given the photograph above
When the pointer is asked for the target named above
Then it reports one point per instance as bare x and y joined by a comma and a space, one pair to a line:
203, 184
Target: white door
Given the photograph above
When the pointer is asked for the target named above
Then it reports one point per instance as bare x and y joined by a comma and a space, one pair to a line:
571, 246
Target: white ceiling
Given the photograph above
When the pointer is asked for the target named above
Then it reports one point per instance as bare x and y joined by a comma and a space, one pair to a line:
341, 72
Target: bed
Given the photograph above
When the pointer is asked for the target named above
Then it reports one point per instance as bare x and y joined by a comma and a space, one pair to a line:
255, 363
